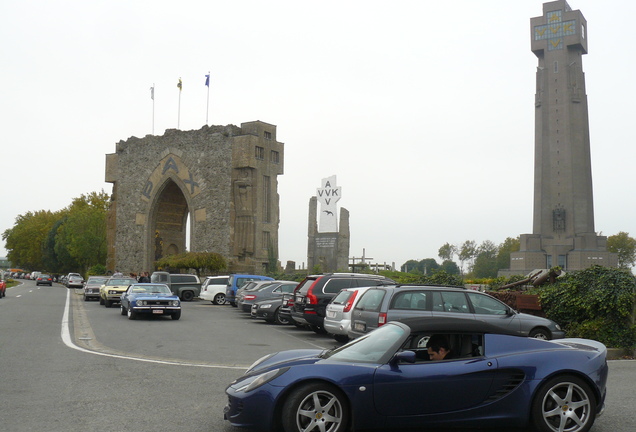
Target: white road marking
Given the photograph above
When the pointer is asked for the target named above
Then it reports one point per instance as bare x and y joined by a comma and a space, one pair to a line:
66, 338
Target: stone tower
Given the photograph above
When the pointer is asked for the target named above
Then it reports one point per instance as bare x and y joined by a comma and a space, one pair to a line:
563, 221
223, 179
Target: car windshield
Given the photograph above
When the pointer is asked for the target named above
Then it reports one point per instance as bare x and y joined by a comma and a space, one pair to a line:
114, 282
151, 289
375, 347
97, 280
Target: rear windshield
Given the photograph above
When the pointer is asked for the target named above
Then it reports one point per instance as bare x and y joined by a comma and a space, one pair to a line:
304, 286
342, 297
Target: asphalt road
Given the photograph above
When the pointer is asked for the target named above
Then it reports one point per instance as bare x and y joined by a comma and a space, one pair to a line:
69, 365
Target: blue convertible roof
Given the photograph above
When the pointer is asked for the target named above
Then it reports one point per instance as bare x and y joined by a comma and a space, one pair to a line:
453, 325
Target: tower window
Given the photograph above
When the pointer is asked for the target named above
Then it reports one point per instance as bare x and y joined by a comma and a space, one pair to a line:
275, 157
267, 135
259, 153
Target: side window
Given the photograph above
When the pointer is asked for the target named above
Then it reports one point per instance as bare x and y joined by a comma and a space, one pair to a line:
371, 300
335, 285
484, 304
454, 302
415, 300
287, 288
242, 281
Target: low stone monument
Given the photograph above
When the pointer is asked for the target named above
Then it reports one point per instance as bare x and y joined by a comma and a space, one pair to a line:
328, 246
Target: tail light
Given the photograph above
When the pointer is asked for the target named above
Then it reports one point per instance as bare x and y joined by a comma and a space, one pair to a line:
249, 297
349, 303
311, 298
382, 319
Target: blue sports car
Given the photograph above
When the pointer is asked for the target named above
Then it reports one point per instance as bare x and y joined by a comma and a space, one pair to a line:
150, 298
425, 372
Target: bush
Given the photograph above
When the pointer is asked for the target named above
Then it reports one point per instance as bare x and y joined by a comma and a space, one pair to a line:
597, 303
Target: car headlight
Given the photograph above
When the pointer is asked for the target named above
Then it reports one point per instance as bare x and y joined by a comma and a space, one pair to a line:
265, 306
175, 302
558, 327
141, 303
263, 379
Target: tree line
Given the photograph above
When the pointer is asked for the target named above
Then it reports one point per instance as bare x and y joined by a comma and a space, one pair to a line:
69, 240
486, 259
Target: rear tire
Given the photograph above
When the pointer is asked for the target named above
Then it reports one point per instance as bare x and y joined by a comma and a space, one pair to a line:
341, 338
101, 301
123, 310
219, 299
318, 329
187, 295
564, 403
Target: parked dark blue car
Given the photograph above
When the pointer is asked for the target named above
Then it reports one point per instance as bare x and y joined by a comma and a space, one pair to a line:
149, 298
386, 380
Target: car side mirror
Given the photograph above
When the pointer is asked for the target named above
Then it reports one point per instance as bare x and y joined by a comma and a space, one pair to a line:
403, 356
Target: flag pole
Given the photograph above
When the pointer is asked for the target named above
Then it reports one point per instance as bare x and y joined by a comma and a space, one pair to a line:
207, 108
180, 85
152, 96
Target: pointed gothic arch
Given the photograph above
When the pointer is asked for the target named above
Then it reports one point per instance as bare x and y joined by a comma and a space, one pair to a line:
168, 216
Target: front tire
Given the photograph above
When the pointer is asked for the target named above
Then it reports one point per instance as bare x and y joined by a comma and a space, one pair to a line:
316, 407
132, 315
108, 303
176, 315
280, 320
564, 404
219, 299
540, 333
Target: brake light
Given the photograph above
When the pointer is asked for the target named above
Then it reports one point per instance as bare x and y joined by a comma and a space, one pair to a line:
382, 319
349, 303
249, 297
311, 298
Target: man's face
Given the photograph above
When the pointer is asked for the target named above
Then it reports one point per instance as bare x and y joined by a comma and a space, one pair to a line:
437, 355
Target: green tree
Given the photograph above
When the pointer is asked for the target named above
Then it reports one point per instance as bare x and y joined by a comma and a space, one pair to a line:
486, 260
450, 267
198, 261
467, 252
447, 252
25, 239
503, 255
625, 247
410, 266
84, 230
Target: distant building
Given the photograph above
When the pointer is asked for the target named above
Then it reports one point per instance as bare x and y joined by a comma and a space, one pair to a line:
217, 186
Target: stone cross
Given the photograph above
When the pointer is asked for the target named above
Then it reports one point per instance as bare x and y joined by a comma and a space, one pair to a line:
328, 195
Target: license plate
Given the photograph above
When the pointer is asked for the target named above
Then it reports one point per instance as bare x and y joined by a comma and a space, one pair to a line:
331, 314
157, 311
359, 326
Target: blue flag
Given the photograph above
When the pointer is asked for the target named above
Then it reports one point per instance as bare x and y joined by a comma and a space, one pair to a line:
207, 80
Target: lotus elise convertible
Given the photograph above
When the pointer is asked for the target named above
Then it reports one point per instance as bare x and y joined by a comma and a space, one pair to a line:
387, 380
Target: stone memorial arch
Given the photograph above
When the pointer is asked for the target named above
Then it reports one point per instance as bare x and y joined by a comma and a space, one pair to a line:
217, 186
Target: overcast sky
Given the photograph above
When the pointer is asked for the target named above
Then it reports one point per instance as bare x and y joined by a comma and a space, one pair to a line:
424, 110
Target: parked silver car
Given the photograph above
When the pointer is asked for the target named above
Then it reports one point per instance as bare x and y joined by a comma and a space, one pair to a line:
338, 313
380, 305
264, 291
